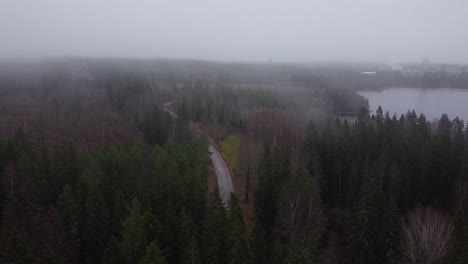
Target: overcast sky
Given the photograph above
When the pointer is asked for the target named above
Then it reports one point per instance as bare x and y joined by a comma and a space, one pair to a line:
237, 30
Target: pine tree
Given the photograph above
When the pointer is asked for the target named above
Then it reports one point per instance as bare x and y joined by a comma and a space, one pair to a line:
133, 236
273, 171
362, 228
187, 234
440, 179
238, 248
301, 218
69, 209
379, 118
38, 181
215, 237
15, 242
153, 255
387, 242
15, 247
112, 254
191, 252
151, 227
169, 232
460, 253
94, 225
259, 245
264, 201
152, 127
64, 168
22, 143
54, 240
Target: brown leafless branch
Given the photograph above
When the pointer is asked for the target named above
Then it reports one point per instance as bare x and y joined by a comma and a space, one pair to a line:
427, 236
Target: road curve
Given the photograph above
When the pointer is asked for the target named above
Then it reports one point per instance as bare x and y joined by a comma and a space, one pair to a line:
222, 173
221, 169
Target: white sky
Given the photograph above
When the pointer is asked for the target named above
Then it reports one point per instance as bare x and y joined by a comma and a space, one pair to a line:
237, 30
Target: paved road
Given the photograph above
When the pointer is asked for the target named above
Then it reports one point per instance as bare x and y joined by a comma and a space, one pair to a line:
222, 173
221, 169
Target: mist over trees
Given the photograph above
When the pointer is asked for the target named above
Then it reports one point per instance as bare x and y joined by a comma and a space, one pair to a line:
113, 167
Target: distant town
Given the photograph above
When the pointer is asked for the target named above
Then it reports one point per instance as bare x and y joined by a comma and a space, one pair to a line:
419, 69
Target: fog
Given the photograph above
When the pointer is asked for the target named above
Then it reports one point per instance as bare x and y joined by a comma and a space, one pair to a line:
241, 30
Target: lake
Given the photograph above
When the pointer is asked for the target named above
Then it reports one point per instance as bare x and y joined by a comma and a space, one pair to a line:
431, 102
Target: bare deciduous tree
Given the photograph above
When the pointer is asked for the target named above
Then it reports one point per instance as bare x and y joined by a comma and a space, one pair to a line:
461, 196
427, 236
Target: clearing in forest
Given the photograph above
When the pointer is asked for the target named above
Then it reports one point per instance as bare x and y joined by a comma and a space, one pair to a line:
230, 148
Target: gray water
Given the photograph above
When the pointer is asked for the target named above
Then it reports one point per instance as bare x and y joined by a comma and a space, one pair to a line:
431, 102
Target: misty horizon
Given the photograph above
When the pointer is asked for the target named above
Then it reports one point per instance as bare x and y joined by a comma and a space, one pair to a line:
224, 31
240, 132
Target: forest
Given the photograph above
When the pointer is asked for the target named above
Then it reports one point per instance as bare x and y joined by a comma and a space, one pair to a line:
109, 164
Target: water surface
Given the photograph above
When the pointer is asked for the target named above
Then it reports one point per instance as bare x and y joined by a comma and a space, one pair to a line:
432, 102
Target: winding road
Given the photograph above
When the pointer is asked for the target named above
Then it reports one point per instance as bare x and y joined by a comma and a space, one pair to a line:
221, 169
222, 173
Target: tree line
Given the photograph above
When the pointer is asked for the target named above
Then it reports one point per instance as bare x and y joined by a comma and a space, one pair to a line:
380, 190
